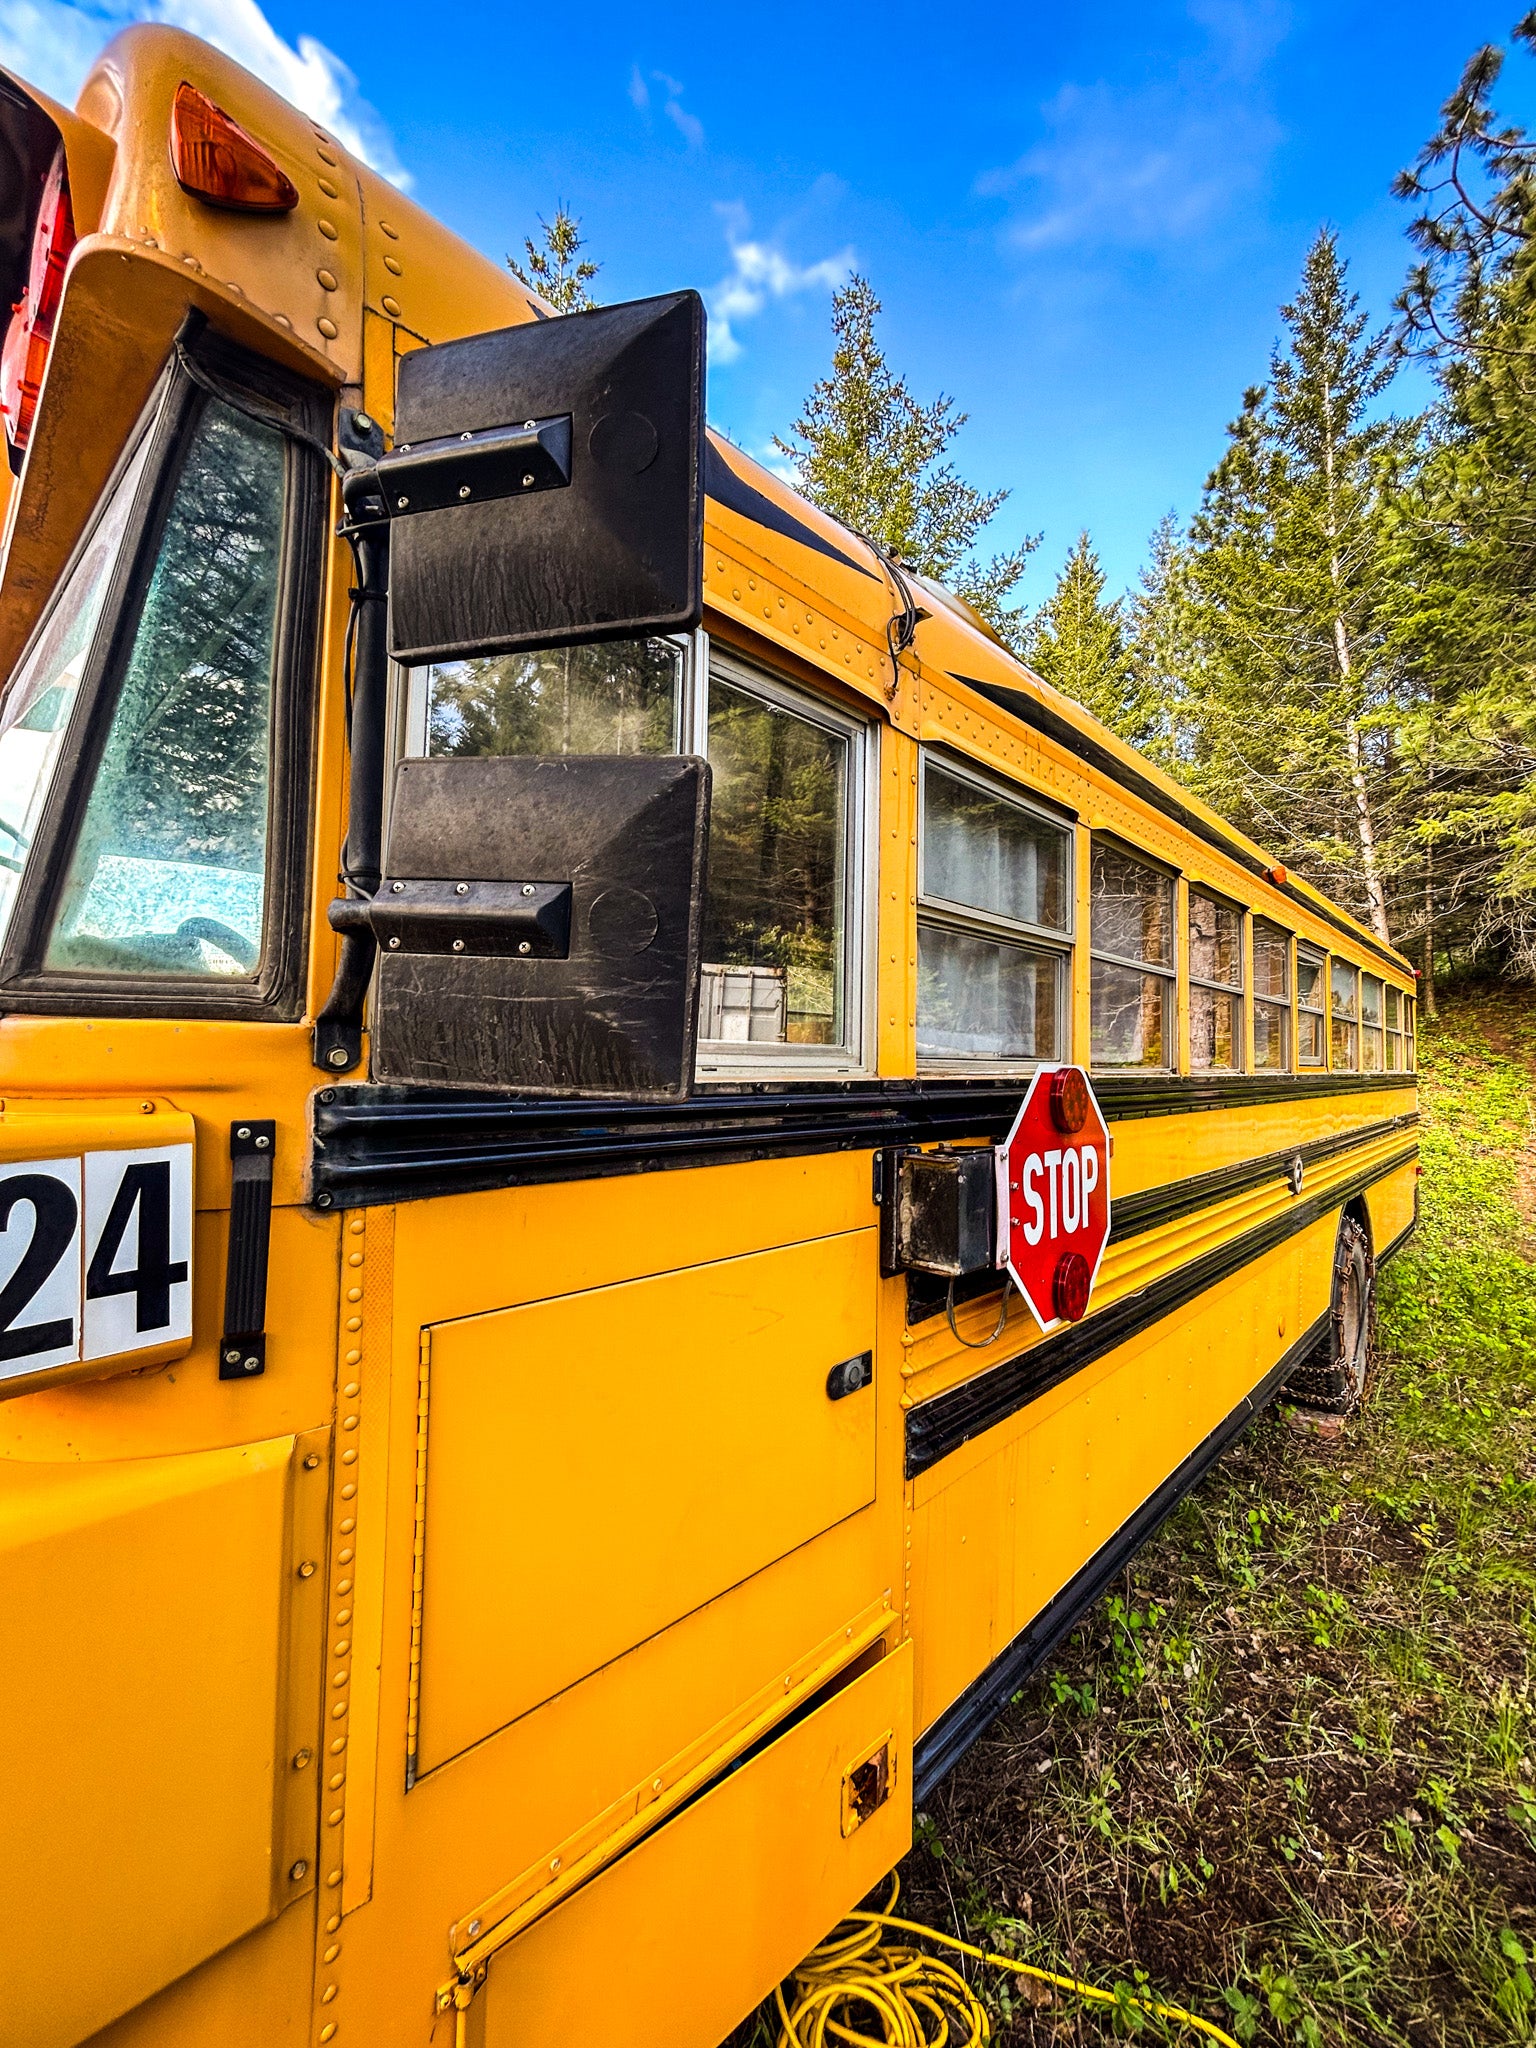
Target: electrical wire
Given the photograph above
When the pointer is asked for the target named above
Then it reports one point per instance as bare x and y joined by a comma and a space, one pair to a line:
972, 1343
855, 1978
901, 626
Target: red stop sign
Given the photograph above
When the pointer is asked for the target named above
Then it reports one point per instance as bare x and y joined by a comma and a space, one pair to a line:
1053, 1195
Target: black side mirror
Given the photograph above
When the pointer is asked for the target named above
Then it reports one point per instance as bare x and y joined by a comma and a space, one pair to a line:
547, 483
539, 924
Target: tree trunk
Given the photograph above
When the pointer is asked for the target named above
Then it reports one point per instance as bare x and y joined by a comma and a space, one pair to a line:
1428, 992
1370, 868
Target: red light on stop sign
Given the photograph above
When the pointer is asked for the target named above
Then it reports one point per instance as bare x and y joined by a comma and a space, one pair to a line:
1069, 1099
1070, 1286
1053, 1195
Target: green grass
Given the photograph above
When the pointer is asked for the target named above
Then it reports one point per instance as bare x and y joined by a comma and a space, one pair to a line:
1287, 1773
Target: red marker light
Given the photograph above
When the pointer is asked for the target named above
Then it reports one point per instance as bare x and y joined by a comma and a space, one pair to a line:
1069, 1287
30, 334
1069, 1100
214, 158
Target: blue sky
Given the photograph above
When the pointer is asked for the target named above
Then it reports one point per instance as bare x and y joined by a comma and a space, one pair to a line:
1081, 220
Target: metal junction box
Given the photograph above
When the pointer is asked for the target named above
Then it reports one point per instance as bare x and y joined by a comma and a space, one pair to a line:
939, 1211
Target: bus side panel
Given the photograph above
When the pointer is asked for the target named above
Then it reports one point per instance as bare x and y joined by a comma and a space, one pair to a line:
146, 1612
606, 1278
1392, 1207
727, 1898
1002, 1524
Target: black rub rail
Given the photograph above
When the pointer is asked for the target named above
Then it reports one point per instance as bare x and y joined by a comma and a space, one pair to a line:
380, 1144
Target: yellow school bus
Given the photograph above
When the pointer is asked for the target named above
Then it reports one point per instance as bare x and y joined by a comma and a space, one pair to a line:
519, 1464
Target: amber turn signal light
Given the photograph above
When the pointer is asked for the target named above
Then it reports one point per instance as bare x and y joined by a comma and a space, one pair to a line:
214, 158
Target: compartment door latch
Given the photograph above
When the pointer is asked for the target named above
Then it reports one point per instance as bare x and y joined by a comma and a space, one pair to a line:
867, 1783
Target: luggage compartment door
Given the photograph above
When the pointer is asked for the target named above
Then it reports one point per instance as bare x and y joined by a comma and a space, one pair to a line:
600, 1464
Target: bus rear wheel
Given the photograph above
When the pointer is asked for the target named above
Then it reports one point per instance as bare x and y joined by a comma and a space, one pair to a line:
1334, 1377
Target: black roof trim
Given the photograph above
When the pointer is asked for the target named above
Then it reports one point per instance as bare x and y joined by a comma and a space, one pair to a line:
734, 492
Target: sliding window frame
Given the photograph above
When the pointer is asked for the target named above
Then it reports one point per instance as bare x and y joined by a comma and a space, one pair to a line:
724, 1060
940, 913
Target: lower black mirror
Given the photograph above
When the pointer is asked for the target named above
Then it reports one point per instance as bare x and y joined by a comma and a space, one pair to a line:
539, 924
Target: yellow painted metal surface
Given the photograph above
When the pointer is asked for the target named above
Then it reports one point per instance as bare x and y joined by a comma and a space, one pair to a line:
145, 1781
598, 1486
1001, 1525
584, 1529
724, 1900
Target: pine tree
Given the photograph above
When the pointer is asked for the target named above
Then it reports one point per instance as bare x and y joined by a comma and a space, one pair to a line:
868, 452
1295, 594
1078, 642
555, 267
1162, 650
1466, 537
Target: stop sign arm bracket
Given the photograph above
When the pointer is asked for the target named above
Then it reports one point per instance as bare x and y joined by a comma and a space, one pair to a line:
938, 1210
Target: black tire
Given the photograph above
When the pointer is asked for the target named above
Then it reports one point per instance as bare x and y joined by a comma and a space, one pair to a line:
1334, 1377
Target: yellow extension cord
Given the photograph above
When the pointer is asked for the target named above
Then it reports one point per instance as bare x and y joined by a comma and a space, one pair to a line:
909, 1992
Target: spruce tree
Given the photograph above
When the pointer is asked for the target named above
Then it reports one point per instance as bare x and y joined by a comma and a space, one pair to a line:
872, 455
1295, 596
1466, 537
1162, 650
554, 266
1078, 642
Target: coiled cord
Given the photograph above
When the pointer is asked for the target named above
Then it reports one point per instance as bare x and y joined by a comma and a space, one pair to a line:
855, 1979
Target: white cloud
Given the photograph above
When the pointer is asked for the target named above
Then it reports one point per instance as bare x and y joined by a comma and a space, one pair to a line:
761, 272
53, 42
1153, 164
689, 126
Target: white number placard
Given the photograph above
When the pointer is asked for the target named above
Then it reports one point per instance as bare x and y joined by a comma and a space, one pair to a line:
138, 1249
95, 1256
40, 1268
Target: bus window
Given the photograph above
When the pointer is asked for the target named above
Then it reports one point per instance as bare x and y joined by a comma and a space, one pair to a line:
1132, 969
623, 697
782, 872
1371, 1040
1344, 984
1215, 984
1311, 1017
168, 871
996, 880
1271, 998
1395, 1031
39, 702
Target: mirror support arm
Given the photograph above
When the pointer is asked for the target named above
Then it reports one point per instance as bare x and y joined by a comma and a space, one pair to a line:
338, 1039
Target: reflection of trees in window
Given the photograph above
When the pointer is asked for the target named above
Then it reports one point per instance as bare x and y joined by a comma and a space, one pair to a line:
775, 855
616, 698
184, 776
988, 862
1215, 983
1271, 997
172, 852
1131, 1001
